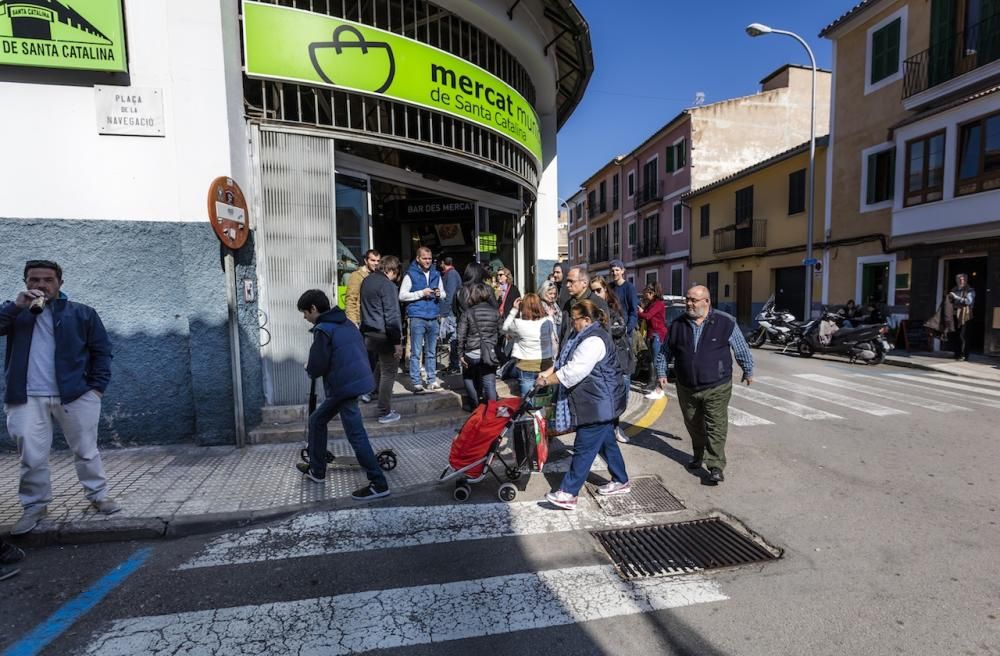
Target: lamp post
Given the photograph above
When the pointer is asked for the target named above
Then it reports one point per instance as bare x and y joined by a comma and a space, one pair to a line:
758, 29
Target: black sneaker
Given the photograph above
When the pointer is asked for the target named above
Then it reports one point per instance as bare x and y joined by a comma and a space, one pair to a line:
369, 492
694, 463
9, 554
304, 468
715, 475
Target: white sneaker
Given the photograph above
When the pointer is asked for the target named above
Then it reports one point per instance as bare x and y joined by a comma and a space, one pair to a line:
613, 488
620, 436
561, 499
435, 386
655, 394
389, 418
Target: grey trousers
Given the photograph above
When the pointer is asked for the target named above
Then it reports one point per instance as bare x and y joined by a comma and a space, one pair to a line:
30, 424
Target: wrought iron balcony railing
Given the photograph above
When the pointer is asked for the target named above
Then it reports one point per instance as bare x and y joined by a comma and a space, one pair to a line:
973, 47
648, 194
598, 254
648, 248
738, 237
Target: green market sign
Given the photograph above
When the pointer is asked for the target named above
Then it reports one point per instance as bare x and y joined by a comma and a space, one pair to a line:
89, 35
281, 43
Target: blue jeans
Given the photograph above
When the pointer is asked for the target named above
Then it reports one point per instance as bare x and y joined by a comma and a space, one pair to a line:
480, 381
659, 360
350, 418
591, 440
527, 380
423, 336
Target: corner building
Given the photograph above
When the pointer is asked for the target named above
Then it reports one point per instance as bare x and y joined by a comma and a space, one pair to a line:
348, 125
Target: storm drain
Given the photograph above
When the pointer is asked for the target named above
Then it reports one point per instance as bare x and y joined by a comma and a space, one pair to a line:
647, 496
679, 548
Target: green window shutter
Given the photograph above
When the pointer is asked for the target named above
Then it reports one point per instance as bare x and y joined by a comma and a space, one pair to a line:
891, 182
878, 47
872, 172
940, 64
682, 154
670, 159
892, 47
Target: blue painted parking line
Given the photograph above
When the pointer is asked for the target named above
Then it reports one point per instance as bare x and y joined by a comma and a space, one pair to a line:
43, 634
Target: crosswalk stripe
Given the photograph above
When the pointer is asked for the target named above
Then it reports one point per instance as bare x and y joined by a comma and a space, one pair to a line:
832, 397
738, 417
931, 390
945, 383
351, 623
982, 383
909, 399
778, 403
363, 529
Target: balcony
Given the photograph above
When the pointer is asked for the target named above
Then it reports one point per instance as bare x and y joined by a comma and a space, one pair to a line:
598, 254
748, 237
648, 248
648, 194
927, 74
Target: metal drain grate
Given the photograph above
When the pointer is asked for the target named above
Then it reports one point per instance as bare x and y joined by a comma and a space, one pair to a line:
679, 548
647, 496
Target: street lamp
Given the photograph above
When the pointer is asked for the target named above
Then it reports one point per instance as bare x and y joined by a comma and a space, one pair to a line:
759, 29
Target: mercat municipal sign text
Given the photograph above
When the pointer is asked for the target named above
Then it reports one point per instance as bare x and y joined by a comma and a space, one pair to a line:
74, 34
291, 44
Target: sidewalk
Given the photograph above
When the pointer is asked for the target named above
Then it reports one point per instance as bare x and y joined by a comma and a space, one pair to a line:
178, 490
978, 367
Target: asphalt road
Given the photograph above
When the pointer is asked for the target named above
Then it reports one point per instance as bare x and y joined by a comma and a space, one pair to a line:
879, 484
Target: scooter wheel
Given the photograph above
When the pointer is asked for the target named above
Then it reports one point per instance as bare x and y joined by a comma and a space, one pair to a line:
386, 460
461, 492
507, 492
304, 454
758, 339
805, 350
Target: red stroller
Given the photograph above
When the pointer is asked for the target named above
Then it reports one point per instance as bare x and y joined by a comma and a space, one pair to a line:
480, 440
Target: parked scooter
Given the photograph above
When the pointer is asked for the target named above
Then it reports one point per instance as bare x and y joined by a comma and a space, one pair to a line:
825, 335
776, 326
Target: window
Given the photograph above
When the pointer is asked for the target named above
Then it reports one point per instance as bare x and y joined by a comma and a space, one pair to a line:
744, 205
631, 234
677, 156
885, 49
615, 239
678, 218
603, 197
676, 280
881, 168
579, 248
705, 213
591, 204
579, 211
631, 184
712, 282
571, 249
651, 277
651, 229
924, 169
649, 179
979, 156
797, 192
614, 192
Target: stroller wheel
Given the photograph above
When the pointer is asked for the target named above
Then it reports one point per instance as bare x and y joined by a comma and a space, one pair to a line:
462, 492
304, 454
513, 473
507, 492
330, 457
386, 459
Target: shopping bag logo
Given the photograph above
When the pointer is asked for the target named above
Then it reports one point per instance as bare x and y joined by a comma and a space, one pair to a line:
354, 63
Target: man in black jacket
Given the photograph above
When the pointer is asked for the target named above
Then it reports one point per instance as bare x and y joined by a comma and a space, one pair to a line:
382, 327
577, 281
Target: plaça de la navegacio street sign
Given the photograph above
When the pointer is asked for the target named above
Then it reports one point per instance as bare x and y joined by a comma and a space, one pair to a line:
84, 35
281, 43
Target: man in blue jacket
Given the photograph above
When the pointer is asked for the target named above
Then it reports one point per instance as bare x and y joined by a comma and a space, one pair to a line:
58, 365
423, 292
338, 356
628, 297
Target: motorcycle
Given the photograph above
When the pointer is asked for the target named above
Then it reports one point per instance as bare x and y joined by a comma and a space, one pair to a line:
777, 326
825, 335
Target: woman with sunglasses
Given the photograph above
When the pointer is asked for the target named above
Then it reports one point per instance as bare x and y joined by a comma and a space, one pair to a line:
618, 328
590, 397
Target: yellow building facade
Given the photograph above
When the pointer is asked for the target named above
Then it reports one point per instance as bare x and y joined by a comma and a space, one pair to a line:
748, 236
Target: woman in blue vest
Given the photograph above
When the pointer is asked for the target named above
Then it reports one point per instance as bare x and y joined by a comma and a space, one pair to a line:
591, 396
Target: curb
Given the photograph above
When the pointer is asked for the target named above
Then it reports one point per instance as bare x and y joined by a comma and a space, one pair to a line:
925, 367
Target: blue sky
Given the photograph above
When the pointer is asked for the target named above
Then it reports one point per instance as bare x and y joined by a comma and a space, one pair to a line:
652, 56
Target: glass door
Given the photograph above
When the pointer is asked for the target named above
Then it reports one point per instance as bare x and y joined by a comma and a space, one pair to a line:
353, 233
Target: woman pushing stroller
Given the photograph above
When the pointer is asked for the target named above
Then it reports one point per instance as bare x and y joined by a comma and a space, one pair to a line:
591, 396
